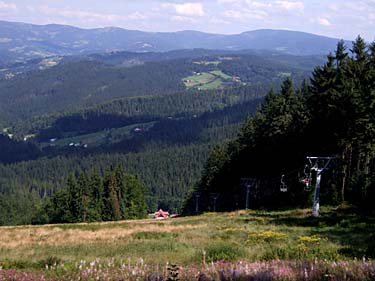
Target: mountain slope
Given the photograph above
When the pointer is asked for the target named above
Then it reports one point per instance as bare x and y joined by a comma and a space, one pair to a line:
21, 41
98, 79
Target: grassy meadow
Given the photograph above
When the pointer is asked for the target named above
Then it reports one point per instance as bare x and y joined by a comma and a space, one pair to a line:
284, 245
207, 80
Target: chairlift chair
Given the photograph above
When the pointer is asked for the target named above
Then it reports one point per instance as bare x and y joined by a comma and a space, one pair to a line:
306, 180
307, 183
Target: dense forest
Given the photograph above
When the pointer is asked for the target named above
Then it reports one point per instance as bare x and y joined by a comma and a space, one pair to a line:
333, 116
34, 99
168, 157
90, 197
164, 137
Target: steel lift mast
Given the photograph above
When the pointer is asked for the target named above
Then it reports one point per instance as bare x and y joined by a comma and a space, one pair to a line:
318, 164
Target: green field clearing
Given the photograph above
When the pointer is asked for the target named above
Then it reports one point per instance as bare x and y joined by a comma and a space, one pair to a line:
102, 137
212, 85
216, 62
221, 74
284, 74
198, 80
206, 81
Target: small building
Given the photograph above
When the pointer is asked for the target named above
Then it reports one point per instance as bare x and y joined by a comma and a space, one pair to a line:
161, 214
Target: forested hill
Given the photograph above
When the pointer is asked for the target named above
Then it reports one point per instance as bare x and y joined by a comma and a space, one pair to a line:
158, 118
40, 41
333, 116
74, 84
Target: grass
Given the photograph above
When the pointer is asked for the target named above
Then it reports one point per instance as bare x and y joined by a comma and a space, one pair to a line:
101, 137
216, 62
212, 85
198, 80
206, 81
338, 235
221, 74
284, 74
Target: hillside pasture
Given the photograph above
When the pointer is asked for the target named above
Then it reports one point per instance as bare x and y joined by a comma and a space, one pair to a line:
205, 62
192, 242
221, 74
198, 79
206, 80
110, 135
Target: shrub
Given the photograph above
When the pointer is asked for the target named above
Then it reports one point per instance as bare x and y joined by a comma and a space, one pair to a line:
265, 236
223, 251
149, 235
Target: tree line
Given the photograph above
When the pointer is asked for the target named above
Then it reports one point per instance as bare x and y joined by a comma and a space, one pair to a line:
333, 115
168, 157
89, 197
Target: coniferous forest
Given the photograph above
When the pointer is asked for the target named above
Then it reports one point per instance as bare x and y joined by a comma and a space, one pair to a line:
183, 143
193, 149
90, 197
163, 135
332, 116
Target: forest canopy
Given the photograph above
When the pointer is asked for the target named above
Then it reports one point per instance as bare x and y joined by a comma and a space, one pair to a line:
333, 115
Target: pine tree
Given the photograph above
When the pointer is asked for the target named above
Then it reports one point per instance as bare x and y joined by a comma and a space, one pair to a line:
134, 198
111, 206
83, 186
96, 197
74, 201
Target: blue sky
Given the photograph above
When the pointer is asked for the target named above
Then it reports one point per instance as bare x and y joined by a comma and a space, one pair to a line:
336, 18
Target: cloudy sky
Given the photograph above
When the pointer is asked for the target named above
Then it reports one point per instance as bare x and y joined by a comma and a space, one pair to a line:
336, 18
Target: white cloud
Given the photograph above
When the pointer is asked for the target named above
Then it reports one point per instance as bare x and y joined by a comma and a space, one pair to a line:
323, 22
227, 1
182, 19
85, 16
290, 5
88, 16
245, 15
258, 4
233, 14
7, 6
216, 20
136, 16
186, 9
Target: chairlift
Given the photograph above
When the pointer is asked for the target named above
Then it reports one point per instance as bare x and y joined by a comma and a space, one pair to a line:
306, 180
283, 186
307, 184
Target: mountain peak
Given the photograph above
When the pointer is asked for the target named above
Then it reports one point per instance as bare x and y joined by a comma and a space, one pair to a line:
36, 41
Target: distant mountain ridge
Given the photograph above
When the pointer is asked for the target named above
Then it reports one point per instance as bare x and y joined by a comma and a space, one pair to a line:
22, 41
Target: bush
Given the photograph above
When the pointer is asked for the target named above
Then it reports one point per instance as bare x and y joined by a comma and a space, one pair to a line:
149, 235
222, 251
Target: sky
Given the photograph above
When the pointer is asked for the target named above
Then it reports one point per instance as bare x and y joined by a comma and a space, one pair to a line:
334, 18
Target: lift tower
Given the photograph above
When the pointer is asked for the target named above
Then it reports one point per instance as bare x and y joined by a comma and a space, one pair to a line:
318, 164
248, 183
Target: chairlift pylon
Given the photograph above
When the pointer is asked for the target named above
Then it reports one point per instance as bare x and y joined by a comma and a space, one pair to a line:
283, 186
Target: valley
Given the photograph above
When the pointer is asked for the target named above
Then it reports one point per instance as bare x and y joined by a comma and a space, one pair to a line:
95, 106
187, 155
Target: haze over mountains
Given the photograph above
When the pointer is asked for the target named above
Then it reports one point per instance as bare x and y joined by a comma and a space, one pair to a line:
22, 41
